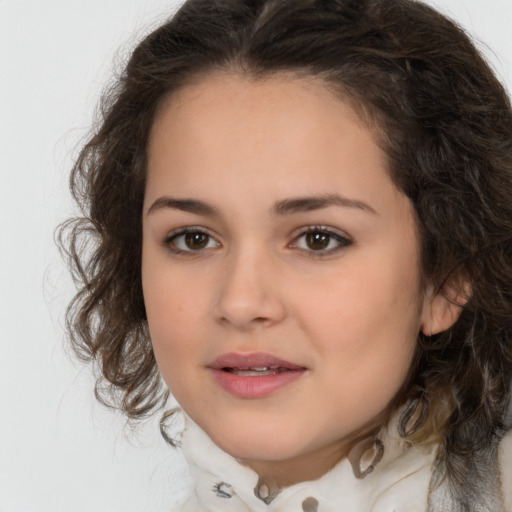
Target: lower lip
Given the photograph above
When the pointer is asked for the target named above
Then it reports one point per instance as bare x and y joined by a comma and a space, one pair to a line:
255, 387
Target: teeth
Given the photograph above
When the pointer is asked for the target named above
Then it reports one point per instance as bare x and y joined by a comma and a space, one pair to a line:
256, 371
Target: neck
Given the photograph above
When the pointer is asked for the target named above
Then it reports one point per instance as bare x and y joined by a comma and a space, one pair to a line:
306, 467
312, 465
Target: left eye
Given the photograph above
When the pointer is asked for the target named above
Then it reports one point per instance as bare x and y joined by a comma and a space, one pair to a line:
320, 240
191, 241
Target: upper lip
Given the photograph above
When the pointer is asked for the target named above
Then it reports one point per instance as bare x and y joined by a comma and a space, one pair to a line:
251, 360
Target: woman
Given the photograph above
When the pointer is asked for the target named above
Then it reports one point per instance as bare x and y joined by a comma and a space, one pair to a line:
303, 224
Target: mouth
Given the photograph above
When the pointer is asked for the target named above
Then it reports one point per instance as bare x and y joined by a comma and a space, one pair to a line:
254, 375
256, 371
255, 364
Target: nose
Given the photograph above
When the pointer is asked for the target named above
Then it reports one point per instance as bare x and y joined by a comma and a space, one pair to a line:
250, 293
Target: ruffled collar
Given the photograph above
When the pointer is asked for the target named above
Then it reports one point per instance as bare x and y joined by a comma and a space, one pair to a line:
399, 482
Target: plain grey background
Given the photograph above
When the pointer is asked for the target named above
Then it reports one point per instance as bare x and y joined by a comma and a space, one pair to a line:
59, 450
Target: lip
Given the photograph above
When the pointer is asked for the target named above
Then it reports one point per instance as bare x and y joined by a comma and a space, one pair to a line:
254, 386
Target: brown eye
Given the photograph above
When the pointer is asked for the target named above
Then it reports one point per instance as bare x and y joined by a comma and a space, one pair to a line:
196, 241
321, 241
317, 241
191, 241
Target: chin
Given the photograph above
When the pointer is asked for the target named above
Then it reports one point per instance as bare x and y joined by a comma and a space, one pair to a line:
248, 444
267, 452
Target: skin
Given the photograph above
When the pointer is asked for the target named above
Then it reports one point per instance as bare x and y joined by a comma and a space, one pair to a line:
349, 313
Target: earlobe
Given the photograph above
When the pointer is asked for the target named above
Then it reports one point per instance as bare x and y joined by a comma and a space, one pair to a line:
443, 308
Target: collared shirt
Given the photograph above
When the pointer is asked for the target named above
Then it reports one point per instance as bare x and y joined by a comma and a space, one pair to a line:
394, 475
400, 482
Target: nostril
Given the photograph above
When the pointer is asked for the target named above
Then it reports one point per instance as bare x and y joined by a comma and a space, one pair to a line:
247, 300
244, 323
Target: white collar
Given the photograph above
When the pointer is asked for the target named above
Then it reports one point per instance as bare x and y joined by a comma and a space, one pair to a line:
399, 483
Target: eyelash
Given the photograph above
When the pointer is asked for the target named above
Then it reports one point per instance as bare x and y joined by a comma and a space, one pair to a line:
170, 240
342, 241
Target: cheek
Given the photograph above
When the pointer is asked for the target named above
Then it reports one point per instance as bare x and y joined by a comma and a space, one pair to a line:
174, 313
367, 319
171, 322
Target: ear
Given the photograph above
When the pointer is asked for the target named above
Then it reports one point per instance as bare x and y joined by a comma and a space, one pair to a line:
442, 308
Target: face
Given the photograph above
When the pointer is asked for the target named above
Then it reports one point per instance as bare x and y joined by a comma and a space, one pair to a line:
280, 266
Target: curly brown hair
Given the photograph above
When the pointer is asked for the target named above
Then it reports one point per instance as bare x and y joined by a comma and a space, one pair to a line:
445, 124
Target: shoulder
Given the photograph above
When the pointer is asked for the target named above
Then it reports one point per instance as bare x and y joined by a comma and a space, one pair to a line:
505, 462
489, 484
401, 480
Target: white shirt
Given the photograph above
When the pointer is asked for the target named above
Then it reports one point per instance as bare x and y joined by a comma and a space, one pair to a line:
399, 483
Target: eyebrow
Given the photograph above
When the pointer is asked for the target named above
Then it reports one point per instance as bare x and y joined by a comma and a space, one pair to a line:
185, 205
310, 203
281, 208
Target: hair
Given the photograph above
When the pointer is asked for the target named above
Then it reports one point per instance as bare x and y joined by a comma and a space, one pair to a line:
443, 120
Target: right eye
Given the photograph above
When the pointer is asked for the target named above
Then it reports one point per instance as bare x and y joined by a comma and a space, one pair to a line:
190, 240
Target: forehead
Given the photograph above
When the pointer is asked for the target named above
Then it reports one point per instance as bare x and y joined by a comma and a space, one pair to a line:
229, 116
246, 92
243, 145
289, 94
